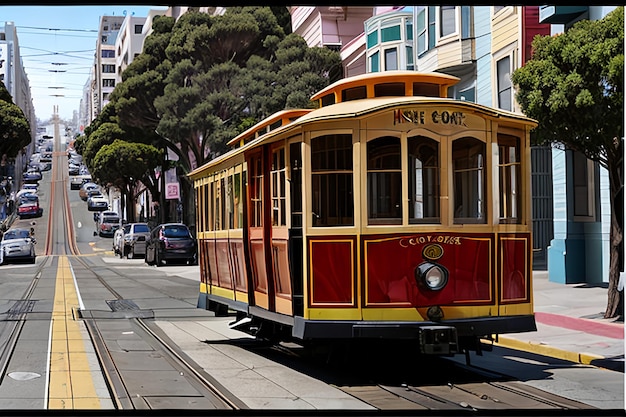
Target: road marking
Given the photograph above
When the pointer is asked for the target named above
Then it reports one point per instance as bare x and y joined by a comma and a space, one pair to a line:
71, 382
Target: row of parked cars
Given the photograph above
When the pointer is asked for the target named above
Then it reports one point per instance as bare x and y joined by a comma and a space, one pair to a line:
168, 242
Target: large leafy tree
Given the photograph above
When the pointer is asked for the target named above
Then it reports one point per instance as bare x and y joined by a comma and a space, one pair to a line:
111, 165
210, 77
574, 87
14, 128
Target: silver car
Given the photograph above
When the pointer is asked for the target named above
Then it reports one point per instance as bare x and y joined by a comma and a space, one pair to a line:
17, 244
134, 240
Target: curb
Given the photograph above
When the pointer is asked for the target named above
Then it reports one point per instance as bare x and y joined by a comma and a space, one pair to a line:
546, 350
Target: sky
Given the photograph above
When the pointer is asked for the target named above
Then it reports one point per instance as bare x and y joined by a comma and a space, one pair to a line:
57, 45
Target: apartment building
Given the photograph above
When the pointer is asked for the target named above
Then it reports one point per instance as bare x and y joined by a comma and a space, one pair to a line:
15, 79
483, 45
128, 43
579, 250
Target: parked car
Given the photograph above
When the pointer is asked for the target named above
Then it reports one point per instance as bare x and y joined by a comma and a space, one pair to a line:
97, 202
28, 206
73, 169
17, 244
134, 240
32, 175
85, 188
108, 223
171, 242
77, 181
31, 187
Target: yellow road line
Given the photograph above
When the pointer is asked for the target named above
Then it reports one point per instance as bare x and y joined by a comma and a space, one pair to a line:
71, 384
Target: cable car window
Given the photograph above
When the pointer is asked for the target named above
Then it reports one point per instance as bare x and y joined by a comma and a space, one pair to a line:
384, 181
278, 182
424, 190
510, 174
256, 191
389, 89
468, 159
332, 183
328, 99
355, 93
425, 89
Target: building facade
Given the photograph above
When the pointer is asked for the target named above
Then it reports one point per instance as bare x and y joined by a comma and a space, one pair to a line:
579, 251
13, 75
483, 45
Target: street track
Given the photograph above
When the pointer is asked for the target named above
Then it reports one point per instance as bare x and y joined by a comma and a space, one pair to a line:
386, 380
60, 241
121, 392
393, 379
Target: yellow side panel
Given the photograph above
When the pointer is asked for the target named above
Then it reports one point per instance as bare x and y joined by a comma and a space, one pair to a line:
516, 309
332, 314
241, 296
223, 292
393, 314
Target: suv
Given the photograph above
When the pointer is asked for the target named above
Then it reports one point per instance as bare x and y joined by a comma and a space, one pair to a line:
108, 223
171, 242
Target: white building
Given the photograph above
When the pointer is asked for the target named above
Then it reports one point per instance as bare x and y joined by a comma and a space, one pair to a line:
14, 77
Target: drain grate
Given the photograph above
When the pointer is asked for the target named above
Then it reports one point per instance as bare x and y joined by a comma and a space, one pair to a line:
122, 305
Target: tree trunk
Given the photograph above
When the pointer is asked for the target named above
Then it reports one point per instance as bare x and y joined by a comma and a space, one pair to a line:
614, 302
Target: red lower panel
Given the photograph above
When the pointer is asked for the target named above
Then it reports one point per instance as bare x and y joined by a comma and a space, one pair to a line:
332, 275
514, 260
390, 265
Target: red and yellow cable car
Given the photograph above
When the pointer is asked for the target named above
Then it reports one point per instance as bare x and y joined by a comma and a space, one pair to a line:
389, 212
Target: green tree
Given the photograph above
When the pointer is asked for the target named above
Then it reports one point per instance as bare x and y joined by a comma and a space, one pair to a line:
210, 77
111, 166
14, 127
573, 86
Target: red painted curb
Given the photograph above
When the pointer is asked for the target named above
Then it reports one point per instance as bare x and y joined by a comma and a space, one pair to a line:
611, 330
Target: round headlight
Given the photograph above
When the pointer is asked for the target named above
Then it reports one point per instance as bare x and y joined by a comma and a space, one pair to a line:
431, 276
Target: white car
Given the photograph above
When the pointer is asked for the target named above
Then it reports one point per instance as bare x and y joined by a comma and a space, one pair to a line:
97, 202
17, 244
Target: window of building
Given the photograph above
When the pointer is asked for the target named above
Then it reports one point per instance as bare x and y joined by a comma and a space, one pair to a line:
447, 19
105, 39
469, 188
583, 186
107, 82
372, 39
409, 58
375, 62
108, 68
423, 166
107, 53
332, 180
468, 94
138, 29
391, 59
409, 30
431, 26
384, 181
510, 170
422, 30
278, 181
466, 22
504, 84
389, 34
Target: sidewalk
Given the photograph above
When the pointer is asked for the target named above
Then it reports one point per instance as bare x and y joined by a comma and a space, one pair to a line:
570, 325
